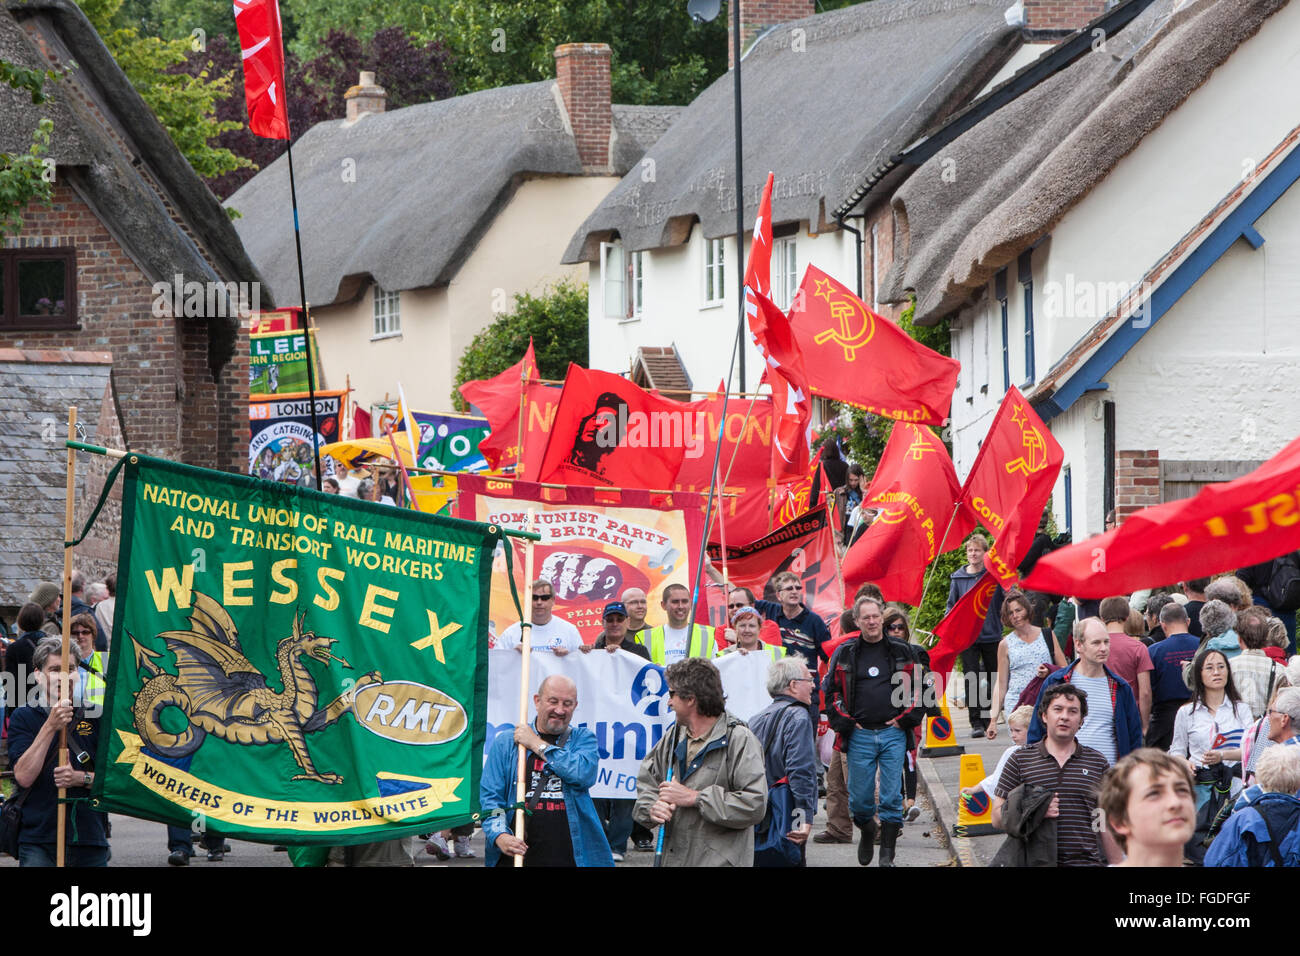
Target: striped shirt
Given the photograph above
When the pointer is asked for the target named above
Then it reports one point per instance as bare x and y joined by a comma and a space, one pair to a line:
1076, 782
1098, 730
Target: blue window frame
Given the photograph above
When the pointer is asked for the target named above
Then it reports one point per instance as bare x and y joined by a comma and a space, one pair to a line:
1000, 293
1024, 268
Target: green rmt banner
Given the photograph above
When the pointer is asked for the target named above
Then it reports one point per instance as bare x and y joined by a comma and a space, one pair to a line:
293, 667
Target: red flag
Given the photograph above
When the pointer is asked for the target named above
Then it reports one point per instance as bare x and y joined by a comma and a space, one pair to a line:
497, 399
1246, 521
769, 329
360, 422
608, 431
262, 49
866, 360
916, 489
960, 626
1009, 484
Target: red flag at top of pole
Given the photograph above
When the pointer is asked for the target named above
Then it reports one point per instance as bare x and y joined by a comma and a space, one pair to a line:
866, 360
960, 626
498, 400
770, 331
262, 50
1010, 483
915, 487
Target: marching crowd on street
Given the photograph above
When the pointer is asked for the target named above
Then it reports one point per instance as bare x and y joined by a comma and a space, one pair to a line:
1153, 729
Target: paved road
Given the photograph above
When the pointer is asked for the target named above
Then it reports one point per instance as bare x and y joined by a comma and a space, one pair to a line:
138, 843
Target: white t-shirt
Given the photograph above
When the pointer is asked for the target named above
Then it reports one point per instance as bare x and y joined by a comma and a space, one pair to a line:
556, 632
1098, 730
990, 783
677, 642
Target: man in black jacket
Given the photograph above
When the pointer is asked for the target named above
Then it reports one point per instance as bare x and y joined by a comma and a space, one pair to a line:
872, 704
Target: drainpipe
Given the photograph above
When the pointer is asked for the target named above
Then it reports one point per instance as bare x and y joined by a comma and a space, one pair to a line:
857, 243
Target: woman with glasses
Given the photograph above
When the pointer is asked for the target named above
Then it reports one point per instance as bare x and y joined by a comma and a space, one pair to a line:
1029, 651
747, 625
895, 626
83, 632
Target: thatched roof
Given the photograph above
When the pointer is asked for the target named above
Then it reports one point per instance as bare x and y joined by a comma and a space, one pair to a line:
429, 181
103, 170
1025, 166
826, 100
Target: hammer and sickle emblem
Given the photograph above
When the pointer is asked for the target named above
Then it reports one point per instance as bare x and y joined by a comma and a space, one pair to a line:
919, 447
1035, 448
856, 323
983, 597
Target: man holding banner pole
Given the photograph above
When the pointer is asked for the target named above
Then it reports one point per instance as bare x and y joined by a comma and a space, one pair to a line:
561, 764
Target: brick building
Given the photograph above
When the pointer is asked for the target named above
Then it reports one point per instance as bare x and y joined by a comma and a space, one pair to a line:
87, 315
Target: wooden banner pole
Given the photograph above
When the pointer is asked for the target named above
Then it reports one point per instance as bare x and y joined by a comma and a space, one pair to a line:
69, 532
526, 645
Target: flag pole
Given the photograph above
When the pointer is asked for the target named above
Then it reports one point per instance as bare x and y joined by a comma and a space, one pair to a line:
526, 645
523, 411
302, 298
61, 826
935, 563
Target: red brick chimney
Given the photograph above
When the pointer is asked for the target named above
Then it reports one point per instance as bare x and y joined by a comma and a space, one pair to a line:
582, 74
757, 15
1053, 19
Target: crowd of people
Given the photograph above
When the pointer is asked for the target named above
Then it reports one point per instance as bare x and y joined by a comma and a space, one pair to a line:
1158, 728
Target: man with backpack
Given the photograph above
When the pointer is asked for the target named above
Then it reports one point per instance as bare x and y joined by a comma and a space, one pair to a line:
1266, 832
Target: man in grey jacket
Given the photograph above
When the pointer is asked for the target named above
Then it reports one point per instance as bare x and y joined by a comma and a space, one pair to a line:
787, 749
718, 790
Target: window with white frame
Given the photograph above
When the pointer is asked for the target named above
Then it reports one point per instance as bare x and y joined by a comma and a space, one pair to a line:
613, 281
388, 313
714, 276
785, 280
636, 295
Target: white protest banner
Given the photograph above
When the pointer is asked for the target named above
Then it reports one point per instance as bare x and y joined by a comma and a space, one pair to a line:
622, 699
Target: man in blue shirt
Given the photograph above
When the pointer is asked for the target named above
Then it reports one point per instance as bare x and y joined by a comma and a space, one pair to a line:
1168, 691
802, 631
560, 769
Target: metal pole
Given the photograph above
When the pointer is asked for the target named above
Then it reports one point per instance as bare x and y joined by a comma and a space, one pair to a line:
740, 189
306, 326
61, 825
526, 637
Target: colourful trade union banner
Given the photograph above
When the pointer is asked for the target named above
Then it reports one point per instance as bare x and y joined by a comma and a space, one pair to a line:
596, 543
277, 362
280, 445
290, 666
448, 442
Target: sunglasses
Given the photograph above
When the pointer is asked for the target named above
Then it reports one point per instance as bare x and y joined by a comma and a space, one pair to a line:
82, 630
542, 597
897, 627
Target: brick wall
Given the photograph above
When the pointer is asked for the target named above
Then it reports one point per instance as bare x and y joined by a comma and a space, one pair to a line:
757, 15
582, 74
1137, 481
876, 263
170, 406
1061, 15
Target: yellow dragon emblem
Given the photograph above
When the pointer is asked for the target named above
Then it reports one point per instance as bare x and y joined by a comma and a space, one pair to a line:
221, 692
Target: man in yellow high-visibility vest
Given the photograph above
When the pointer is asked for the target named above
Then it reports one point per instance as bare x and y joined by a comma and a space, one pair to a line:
675, 641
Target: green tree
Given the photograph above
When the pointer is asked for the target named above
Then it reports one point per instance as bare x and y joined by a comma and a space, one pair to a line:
659, 55
556, 321
185, 104
22, 178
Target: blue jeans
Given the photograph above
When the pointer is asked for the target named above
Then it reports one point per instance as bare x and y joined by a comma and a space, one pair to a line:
43, 854
871, 751
616, 817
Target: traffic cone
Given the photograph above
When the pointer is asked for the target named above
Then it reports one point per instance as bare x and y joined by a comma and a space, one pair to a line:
940, 740
974, 809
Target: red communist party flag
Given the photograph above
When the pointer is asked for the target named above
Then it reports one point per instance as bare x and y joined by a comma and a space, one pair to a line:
262, 49
608, 431
498, 400
866, 360
915, 489
1010, 483
1246, 521
769, 330
960, 626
